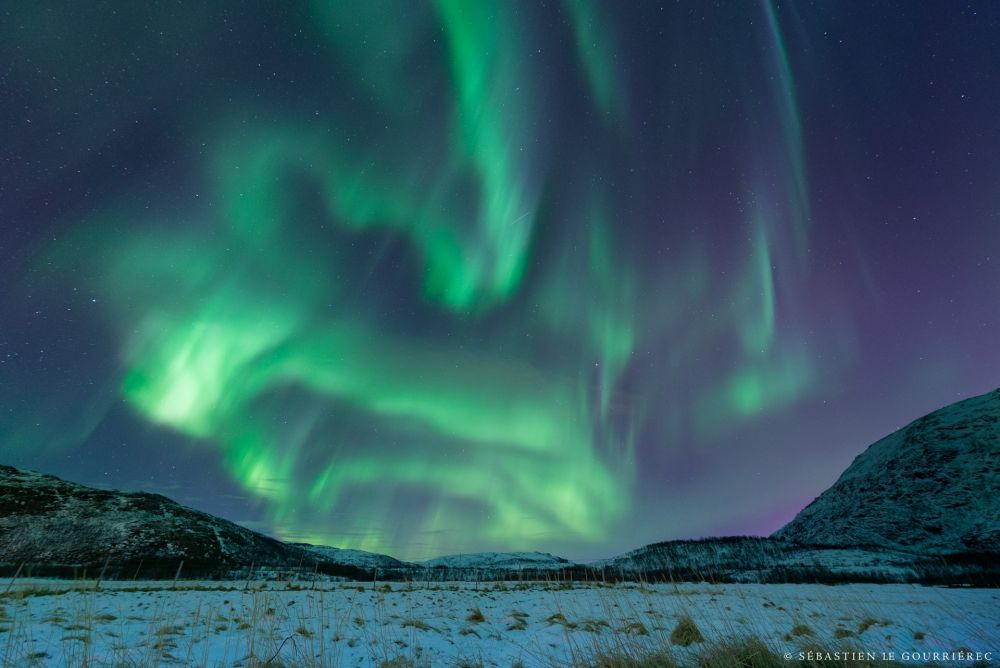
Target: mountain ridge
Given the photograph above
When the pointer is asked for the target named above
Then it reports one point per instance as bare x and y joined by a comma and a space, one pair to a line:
928, 488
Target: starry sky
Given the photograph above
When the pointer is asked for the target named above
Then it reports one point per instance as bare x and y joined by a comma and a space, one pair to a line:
460, 275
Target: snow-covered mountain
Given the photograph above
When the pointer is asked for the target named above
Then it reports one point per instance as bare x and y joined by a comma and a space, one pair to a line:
44, 519
359, 558
932, 486
505, 561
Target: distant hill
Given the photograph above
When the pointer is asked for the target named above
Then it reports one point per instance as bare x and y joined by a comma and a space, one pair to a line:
513, 561
933, 486
359, 558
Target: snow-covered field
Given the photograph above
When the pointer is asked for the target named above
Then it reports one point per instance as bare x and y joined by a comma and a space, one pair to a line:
60, 623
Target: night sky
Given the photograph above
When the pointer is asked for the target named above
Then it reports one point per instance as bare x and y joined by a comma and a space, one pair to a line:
426, 278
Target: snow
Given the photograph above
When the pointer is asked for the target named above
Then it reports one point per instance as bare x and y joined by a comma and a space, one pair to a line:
192, 623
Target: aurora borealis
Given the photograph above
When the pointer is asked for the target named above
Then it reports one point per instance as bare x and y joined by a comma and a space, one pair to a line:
461, 275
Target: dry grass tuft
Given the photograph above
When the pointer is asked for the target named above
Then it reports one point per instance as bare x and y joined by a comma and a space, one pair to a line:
749, 653
686, 632
416, 624
398, 662
594, 625
520, 622
635, 628
867, 624
802, 630
618, 660
558, 618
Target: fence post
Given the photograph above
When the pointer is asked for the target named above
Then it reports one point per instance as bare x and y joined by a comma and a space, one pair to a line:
178, 573
97, 585
249, 576
16, 573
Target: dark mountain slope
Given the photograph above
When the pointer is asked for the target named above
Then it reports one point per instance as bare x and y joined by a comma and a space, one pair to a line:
933, 486
44, 519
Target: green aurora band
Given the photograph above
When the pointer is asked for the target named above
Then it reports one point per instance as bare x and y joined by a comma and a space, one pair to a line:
228, 319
